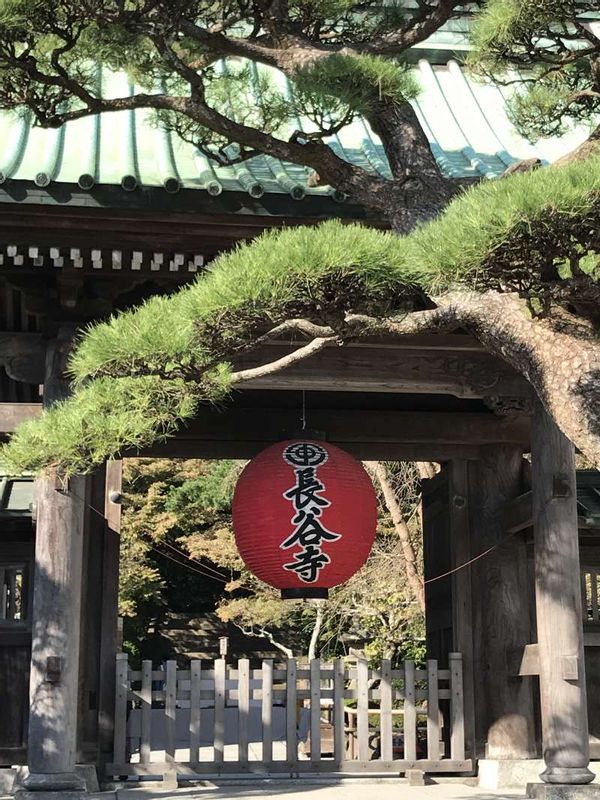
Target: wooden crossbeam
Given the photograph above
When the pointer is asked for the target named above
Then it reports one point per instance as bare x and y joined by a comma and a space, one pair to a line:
367, 434
359, 425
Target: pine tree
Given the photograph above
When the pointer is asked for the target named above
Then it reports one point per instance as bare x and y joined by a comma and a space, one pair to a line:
513, 261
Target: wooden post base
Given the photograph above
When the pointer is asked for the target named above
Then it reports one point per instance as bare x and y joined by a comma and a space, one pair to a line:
51, 786
572, 776
26, 794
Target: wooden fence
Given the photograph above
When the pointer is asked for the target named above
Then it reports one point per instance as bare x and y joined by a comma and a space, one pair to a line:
294, 718
590, 592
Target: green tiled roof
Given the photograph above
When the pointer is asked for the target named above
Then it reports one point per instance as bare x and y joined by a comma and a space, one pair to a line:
466, 123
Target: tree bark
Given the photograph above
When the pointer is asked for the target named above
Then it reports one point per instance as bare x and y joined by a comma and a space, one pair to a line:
415, 580
316, 631
420, 189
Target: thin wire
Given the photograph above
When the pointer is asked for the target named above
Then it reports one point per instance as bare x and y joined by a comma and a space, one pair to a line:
187, 566
221, 578
472, 560
224, 580
194, 560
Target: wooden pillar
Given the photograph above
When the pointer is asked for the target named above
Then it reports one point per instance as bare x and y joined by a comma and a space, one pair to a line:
56, 618
504, 714
91, 620
99, 618
558, 605
55, 642
462, 604
109, 634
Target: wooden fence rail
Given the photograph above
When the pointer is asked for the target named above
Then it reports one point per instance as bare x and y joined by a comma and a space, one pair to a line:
291, 718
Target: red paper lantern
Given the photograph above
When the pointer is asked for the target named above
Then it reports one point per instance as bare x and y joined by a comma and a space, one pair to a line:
304, 517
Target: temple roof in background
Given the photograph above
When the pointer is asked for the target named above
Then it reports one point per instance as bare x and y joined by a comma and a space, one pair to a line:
466, 123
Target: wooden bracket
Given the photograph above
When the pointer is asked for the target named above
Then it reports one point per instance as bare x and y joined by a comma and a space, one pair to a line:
54, 668
530, 661
529, 664
570, 668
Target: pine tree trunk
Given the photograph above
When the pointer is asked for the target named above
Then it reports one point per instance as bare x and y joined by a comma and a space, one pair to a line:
420, 191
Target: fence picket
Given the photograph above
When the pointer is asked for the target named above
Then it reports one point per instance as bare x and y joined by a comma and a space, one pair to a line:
433, 722
457, 721
410, 713
122, 687
219, 729
170, 708
267, 711
584, 597
385, 722
339, 683
362, 708
315, 710
195, 682
146, 696
291, 713
243, 708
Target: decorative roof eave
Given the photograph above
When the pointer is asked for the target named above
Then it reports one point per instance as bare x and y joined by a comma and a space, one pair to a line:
63, 233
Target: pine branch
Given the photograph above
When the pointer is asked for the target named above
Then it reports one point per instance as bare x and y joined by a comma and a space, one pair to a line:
430, 18
274, 367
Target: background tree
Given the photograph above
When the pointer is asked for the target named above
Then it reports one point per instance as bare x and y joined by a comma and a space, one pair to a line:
180, 511
515, 261
155, 577
549, 49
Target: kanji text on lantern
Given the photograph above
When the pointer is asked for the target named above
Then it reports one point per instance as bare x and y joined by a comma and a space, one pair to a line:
306, 497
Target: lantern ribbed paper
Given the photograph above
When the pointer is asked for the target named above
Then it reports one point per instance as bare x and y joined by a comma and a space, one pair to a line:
304, 517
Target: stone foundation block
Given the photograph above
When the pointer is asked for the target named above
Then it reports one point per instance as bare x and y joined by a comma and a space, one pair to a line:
7, 780
509, 773
563, 791
415, 777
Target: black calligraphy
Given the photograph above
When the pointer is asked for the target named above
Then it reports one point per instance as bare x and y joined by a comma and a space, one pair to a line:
309, 503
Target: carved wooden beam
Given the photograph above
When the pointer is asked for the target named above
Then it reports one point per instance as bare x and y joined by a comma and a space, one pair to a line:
397, 367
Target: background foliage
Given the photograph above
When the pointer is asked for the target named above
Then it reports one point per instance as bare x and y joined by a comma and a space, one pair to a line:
186, 505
